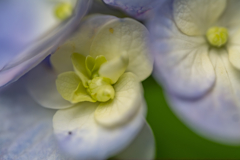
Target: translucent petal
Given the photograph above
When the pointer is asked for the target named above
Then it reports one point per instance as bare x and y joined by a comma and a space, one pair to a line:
195, 17
142, 147
124, 35
79, 66
182, 63
125, 104
90, 61
98, 62
25, 52
217, 114
41, 85
26, 127
81, 137
114, 68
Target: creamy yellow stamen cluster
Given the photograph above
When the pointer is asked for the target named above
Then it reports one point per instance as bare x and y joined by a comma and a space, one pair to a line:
217, 36
85, 84
63, 11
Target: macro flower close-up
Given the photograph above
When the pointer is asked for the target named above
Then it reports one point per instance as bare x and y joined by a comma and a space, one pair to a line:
196, 46
119, 79
95, 82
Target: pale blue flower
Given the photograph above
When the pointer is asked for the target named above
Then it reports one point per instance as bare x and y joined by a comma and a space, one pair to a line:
197, 55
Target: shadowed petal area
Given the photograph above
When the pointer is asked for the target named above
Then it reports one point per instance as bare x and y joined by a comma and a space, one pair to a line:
41, 85
182, 63
142, 147
140, 9
216, 115
195, 17
81, 137
18, 56
26, 127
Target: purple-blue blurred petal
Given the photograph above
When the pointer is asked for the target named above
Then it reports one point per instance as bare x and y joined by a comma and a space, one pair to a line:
139, 9
26, 128
22, 44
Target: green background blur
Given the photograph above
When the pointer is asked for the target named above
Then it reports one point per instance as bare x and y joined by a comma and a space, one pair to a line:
173, 138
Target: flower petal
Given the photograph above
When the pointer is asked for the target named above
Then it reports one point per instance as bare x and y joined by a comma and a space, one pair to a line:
125, 104
216, 115
81, 137
124, 35
41, 88
195, 17
33, 49
182, 62
26, 128
114, 68
143, 146
79, 66
139, 9
234, 55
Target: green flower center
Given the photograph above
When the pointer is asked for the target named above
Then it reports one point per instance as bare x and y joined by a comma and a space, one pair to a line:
217, 36
63, 11
85, 84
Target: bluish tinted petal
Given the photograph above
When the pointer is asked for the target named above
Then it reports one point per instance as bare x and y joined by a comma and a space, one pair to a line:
82, 137
139, 9
142, 147
181, 61
27, 39
217, 114
25, 128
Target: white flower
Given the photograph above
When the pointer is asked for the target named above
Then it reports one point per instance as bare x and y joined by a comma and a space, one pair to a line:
197, 54
98, 90
31, 30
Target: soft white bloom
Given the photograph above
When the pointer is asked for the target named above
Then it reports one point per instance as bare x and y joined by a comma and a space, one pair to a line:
196, 45
95, 82
31, 30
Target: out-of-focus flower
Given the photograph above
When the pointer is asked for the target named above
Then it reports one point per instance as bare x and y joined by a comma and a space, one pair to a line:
139, 9
197, 54
31, 30
95, 82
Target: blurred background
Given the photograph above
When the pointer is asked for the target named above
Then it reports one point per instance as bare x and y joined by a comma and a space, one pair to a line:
173, 138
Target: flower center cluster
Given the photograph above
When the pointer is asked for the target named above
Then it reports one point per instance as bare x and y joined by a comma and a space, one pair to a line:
217, 36
100, 89
85, 83
63, 10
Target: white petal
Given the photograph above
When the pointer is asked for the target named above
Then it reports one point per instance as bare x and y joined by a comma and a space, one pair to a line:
124, 35
217, 114
125, 104
114, 68
33, 49
143, 146
234, 55
230, 17
26, 127
81, 137
41, 84
182, 62
195, 17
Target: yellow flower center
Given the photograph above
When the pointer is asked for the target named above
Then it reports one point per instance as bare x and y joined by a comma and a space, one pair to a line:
101, 89
217, 36
63, 11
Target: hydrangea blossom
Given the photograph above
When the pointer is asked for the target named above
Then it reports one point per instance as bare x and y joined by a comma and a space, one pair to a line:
95, 82
196, 50
31, 30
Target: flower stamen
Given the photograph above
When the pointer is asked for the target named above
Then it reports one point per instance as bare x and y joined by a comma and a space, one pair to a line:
217, 36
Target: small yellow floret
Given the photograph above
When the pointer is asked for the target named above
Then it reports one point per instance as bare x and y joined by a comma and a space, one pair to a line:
217, 36
63, 10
